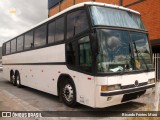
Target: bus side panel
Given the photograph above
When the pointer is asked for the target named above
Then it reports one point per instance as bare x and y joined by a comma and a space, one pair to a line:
53, 54
37, 67
86, 90
43, 77
6, 72
40, 68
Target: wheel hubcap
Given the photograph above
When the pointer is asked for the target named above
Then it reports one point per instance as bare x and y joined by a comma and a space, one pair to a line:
68, 92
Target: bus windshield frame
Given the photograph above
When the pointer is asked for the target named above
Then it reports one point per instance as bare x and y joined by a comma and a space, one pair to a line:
138, 54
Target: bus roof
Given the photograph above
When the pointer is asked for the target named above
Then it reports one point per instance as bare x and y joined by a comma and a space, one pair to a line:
77, 6
83, 4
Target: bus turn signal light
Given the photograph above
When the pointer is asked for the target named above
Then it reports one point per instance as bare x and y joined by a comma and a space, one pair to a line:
103, 88
110, 87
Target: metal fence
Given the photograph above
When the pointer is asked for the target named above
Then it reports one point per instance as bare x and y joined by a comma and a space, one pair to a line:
156, 57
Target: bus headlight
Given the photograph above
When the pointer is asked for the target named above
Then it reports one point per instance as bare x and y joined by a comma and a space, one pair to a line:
150, 81
110, 87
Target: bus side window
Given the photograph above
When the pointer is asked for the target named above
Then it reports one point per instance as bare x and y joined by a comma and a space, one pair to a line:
40, 36
28, 42
59, 35
51, 32
20, 43
71, 53
85, 58
4, 49
13, 46
8, 47
76, 23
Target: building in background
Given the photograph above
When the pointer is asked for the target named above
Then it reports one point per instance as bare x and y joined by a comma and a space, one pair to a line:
149, 10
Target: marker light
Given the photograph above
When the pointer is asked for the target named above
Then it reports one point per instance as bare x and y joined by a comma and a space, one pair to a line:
103, 88
110, 88
150, 81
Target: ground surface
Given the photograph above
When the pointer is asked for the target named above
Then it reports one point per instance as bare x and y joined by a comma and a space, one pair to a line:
28, 99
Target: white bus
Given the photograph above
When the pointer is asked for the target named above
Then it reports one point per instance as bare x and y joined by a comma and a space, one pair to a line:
92, 53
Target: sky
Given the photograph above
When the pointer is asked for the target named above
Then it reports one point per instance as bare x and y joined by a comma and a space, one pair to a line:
17, 16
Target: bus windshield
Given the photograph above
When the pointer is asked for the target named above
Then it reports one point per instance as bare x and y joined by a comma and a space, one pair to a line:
121, 50
115, 17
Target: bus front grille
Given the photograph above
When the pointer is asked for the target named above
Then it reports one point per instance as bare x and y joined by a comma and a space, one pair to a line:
132, 96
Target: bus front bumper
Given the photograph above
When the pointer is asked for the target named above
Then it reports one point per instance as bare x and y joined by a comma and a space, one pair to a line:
120, 96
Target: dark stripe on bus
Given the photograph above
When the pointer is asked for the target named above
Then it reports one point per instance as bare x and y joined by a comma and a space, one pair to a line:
44, 63
133, 85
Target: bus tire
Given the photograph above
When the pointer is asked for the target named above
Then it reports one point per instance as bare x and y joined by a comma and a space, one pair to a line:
14, 80
18, 80
12, 77
68, 93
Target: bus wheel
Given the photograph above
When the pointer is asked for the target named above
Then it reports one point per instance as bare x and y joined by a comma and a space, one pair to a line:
14, 80
12, 77
68, 93
18, 80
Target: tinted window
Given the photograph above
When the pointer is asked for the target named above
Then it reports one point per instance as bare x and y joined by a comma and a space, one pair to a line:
40, 36
59, 36
76, 23
13, 46
85, 60
7, 47
71, 53
20, 43
4, 49
28, 43
51, 32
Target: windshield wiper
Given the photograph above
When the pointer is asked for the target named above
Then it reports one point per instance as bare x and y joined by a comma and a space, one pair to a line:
137, 51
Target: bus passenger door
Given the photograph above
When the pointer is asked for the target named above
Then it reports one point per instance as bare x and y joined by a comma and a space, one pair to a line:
86, 81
